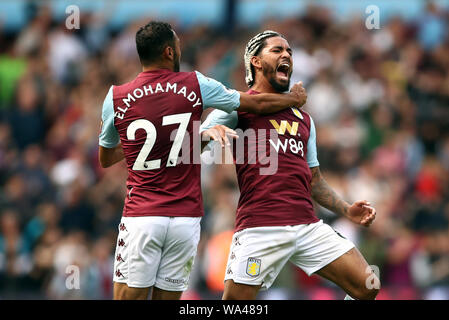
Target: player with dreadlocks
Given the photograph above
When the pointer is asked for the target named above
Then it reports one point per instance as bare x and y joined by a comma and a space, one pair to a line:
160, 228
275, 219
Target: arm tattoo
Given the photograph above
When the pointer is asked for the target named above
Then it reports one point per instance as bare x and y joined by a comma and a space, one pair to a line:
323, 194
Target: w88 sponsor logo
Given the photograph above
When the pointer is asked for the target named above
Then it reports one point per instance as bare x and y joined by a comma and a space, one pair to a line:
295, 146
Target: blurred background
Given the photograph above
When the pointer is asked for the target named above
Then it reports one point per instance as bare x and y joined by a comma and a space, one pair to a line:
379, 98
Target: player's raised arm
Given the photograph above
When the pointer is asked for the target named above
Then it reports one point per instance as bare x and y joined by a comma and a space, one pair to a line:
273, 102
216, 95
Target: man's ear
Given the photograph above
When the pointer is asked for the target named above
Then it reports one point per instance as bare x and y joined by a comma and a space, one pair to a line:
256, 62
169, 53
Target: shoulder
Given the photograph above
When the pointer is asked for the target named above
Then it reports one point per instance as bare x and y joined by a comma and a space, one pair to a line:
109, 95
118, 90
306, 115
184, 74
199, 75
202, 79
184, 77
307, 118
207, 81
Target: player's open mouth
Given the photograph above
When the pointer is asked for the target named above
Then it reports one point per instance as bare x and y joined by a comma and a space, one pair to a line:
282, 71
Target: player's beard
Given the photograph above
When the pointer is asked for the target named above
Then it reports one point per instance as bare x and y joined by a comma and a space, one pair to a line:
270, 74
176, 62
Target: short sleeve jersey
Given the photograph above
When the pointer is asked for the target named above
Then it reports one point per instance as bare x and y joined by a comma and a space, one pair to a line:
282, 196
156, 119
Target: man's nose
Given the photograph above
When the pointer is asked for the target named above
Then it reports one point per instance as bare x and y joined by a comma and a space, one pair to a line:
286, 54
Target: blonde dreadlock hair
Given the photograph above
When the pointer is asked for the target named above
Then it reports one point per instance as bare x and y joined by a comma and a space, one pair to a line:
252, 48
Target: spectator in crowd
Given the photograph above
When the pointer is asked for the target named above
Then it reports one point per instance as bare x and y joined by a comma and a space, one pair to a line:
379, 99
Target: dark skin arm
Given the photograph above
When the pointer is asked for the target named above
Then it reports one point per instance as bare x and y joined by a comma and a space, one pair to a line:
110, 156
265, 103
360, 212
262, 103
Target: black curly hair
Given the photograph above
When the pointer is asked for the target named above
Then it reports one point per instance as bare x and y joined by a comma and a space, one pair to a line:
152, 39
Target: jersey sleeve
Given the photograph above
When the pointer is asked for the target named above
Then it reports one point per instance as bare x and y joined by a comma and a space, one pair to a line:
220, 117
216, 95
312, 158
109, 137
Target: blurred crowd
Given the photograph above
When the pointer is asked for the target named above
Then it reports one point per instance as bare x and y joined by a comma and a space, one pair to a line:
379, 99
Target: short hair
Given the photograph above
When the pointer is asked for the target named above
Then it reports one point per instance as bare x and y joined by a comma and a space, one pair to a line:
253, 48
152, 39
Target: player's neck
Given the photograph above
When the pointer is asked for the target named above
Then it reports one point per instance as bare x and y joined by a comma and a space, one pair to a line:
153, 67
263, 86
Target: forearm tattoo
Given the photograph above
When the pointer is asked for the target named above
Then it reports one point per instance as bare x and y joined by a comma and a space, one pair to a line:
323, 194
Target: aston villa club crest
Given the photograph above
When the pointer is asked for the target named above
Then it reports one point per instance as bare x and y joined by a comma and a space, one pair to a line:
297, 113
253, 267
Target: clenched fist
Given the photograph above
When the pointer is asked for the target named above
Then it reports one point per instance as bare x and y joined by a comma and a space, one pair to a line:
300, 92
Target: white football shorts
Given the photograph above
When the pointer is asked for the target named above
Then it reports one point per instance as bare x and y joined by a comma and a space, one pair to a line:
156, 251
257, 255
